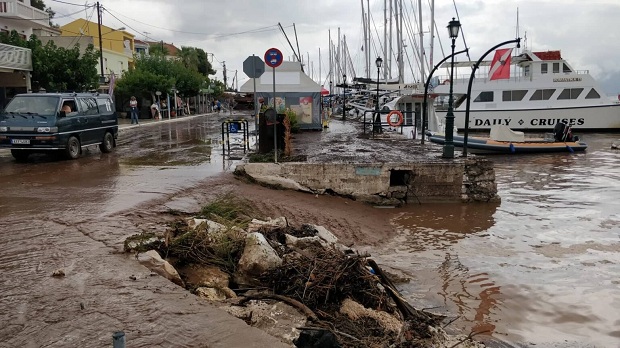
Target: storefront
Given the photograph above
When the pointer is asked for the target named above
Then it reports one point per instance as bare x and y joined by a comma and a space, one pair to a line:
293, 90
15, 68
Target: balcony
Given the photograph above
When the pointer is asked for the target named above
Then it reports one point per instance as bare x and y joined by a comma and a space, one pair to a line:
16, 9
15, 58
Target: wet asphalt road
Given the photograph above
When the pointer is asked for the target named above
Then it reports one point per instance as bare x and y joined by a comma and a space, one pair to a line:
74, 215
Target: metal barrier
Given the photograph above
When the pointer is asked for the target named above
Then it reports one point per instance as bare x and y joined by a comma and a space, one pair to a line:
377, 127
233, 126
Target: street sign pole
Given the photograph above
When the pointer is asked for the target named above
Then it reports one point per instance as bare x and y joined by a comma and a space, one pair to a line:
254, 67
256, 110
275, 123
273, 58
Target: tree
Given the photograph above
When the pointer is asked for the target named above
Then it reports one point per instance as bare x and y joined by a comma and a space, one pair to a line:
40, 5
204, 66
189, 57
57, 68
158, 49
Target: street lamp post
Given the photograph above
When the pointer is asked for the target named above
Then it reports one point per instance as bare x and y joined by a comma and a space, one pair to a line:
331, 97
448, 146
344, 97
377, 123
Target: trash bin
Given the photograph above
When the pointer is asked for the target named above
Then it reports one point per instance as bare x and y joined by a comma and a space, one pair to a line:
265, 133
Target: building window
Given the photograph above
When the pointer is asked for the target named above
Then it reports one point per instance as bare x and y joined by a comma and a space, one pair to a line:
556, 68
484, 97
516, 95
544, 67
542, 94
593, 94
570, 93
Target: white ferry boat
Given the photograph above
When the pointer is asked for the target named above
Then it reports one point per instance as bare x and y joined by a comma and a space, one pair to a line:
541, 91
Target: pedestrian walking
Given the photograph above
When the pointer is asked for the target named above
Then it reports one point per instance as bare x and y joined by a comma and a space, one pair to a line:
218, 105
133, 106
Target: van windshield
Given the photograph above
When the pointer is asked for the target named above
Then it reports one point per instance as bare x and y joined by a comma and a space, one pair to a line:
39, 105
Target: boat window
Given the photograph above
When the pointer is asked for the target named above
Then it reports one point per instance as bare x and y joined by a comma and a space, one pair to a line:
570, 93
484, 97
516, 95
542, 94
526, 70
544, 68
566, 69
593, 94
556, 68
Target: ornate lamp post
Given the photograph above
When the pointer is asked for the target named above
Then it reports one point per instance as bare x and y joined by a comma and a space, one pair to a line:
344, 97
448, 146
377, 124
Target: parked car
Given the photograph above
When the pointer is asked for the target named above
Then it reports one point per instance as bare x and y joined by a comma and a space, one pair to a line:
58, 123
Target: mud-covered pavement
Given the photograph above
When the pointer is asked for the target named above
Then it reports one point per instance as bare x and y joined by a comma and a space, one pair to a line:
539, 269
71, 217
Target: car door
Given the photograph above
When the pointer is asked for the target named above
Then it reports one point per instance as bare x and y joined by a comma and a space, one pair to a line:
90, 120
71, 123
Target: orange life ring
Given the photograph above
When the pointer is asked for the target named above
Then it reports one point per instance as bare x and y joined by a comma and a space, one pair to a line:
400, 118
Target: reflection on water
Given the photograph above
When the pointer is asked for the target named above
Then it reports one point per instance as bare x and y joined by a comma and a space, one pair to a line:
539, 269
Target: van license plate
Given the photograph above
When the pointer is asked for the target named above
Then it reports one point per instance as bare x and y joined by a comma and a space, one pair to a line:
20, 141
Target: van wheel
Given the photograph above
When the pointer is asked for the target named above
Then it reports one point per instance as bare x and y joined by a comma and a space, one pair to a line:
20, 155
108, 143
73, 149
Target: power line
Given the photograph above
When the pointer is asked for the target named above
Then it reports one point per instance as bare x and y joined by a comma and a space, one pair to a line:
70, 3
251, 31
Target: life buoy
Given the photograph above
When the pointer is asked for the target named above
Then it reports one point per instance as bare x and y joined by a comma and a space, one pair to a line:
400, 118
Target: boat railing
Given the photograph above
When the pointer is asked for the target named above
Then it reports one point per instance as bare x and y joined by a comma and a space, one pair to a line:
483, 77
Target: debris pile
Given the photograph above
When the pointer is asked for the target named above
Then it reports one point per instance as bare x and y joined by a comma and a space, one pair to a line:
256, 269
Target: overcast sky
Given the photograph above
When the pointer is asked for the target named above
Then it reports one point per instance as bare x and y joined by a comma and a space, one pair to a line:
232, 30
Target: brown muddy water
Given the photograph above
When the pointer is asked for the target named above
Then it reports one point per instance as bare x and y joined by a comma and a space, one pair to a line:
541, 269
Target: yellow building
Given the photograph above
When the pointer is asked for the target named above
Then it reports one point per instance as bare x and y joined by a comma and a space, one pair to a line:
117, 44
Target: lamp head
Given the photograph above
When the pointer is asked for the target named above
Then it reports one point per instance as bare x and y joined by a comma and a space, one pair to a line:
379, 62
453, 28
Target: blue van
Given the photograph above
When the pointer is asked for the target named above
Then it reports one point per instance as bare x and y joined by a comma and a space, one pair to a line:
58, 123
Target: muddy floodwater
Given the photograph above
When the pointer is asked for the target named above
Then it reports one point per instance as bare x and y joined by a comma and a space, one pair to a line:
540, 269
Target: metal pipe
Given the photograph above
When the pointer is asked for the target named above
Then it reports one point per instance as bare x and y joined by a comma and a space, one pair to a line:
428, 81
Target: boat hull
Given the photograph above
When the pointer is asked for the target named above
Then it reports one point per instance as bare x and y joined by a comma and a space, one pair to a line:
591, 118
488, 146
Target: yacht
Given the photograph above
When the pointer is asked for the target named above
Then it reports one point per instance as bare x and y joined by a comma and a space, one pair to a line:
541, 90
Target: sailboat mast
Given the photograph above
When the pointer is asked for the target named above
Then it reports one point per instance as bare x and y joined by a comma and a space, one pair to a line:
365, 47
422, 60
431, 63
385, 22
369, 36
389, 60
399, 38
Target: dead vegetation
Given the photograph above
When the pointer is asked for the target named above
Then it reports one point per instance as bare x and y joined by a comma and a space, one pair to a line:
346, 297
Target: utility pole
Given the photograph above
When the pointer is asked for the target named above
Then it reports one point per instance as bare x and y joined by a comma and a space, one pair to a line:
102, 78
225, 83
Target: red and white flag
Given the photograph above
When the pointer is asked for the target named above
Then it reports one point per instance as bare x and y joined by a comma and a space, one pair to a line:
500, 67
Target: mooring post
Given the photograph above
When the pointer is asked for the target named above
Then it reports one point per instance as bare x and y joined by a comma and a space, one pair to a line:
118, 339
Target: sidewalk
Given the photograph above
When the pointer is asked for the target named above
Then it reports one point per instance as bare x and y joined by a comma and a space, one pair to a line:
125, 123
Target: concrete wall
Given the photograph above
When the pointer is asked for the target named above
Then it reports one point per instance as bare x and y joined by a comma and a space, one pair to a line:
470, 180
